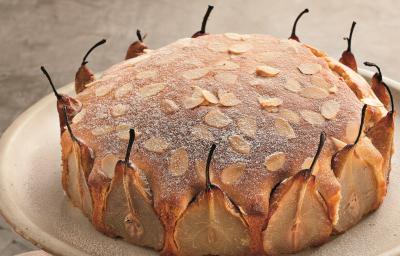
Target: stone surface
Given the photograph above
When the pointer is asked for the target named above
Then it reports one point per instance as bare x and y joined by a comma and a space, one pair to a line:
57, 34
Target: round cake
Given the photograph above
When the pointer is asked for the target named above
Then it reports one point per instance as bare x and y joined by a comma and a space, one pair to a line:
242, 145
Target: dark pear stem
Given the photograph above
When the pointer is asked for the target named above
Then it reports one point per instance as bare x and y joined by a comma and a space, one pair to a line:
350, 36
103, 41
130, 144
322, 138
51, 82
391, 97
361, 123
209, 158
370, 64
293, 35
67, 123
139, 35
205, 19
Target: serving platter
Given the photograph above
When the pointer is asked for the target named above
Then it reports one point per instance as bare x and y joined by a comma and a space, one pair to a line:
34, 204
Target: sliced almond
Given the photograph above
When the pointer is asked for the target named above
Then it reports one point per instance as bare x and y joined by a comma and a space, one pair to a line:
330, 109
268, 57
119, 110
275, 161
156, 144
123, 90
312, 117
217, 47
103, 90
226, 65
239, 144
123, 127
209, 96
202, 132
192, 102
196, 73
307, 163
313, 92
309, 68
266, 102
228, 99
169, 106
78, 117
108, 163
234, 36
266, 71
151, 89
146, 74
289, 115
102, 130
372, 102
320, 82
123, 131
239, 48
216, 118
284, 129
247, 125
226, 78
232, 173
179, 162
292, 85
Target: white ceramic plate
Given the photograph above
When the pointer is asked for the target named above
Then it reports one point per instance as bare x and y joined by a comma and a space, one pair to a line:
32, 200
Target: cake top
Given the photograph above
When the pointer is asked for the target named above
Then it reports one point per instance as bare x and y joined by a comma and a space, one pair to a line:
262, 100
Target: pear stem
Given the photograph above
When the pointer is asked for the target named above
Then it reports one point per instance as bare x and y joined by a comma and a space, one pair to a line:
371, 64
139, 35
91, 49
361, 123
205, 19
51, 82
322, 138
209, 158
67, 123
130, 144
349, 39
293, 35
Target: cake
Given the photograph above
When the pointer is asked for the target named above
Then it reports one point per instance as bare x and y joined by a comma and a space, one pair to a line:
227, 144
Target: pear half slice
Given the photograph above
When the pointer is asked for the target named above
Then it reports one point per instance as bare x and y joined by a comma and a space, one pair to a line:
298, 215
358, 168
129, 211
211, 224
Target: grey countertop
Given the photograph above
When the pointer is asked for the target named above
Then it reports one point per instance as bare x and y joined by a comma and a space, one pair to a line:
56, 34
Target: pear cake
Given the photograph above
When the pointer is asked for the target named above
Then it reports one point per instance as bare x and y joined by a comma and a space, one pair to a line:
227, 144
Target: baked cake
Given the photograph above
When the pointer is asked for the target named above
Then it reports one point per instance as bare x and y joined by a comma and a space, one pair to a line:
226, 144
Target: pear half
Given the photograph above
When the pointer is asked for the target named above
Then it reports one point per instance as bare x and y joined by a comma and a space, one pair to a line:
129, 208
358, 169
298, 216
211, 225
77, 165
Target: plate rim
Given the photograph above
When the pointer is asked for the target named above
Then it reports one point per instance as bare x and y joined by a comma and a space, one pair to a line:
53, 245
